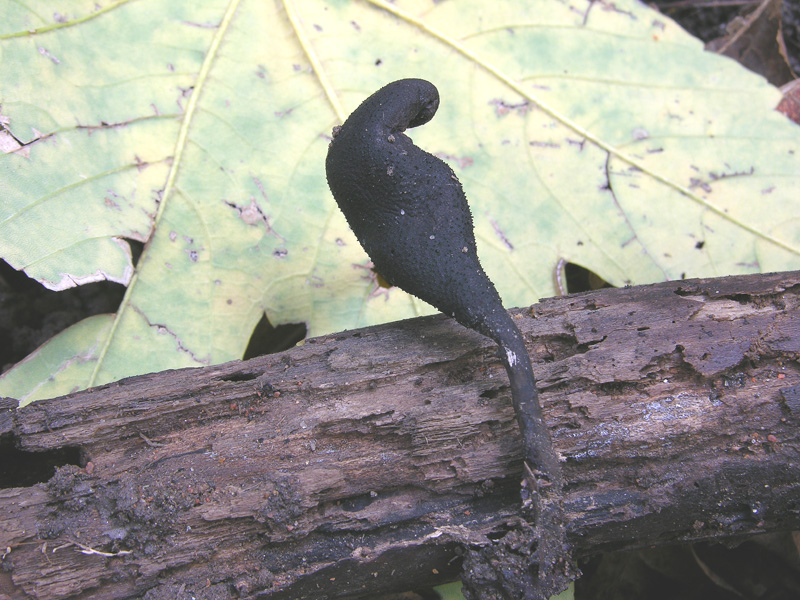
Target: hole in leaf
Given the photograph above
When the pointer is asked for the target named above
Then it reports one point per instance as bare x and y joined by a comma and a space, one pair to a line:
580, 279
30, 314
137, 248
267, 339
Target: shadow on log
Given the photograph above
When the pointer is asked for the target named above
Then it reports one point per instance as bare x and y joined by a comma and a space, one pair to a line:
363, 462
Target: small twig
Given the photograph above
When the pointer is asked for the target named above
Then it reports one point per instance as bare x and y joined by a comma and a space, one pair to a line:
150, 442
89, 550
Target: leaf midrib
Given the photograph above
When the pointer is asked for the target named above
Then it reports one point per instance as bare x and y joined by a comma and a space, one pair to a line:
180, 146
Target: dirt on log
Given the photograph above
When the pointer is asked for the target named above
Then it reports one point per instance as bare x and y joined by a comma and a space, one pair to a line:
364, 461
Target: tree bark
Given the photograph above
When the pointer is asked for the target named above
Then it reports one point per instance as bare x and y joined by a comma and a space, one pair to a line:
362, 462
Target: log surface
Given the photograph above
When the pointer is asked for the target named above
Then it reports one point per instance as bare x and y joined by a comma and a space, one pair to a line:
361, 462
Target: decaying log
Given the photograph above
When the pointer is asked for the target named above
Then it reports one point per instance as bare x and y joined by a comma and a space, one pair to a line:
363, 461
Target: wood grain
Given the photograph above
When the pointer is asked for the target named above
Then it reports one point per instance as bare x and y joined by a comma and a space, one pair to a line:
361, 462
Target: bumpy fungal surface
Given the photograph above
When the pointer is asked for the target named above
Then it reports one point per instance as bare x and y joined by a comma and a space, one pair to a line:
406, 206
409, 211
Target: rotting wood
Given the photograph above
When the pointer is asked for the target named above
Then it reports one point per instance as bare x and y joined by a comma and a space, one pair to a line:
361, 462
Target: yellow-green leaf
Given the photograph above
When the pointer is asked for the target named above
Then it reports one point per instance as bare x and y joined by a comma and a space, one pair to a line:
597, 133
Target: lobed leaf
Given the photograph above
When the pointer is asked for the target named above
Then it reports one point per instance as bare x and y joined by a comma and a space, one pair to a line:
597, 133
